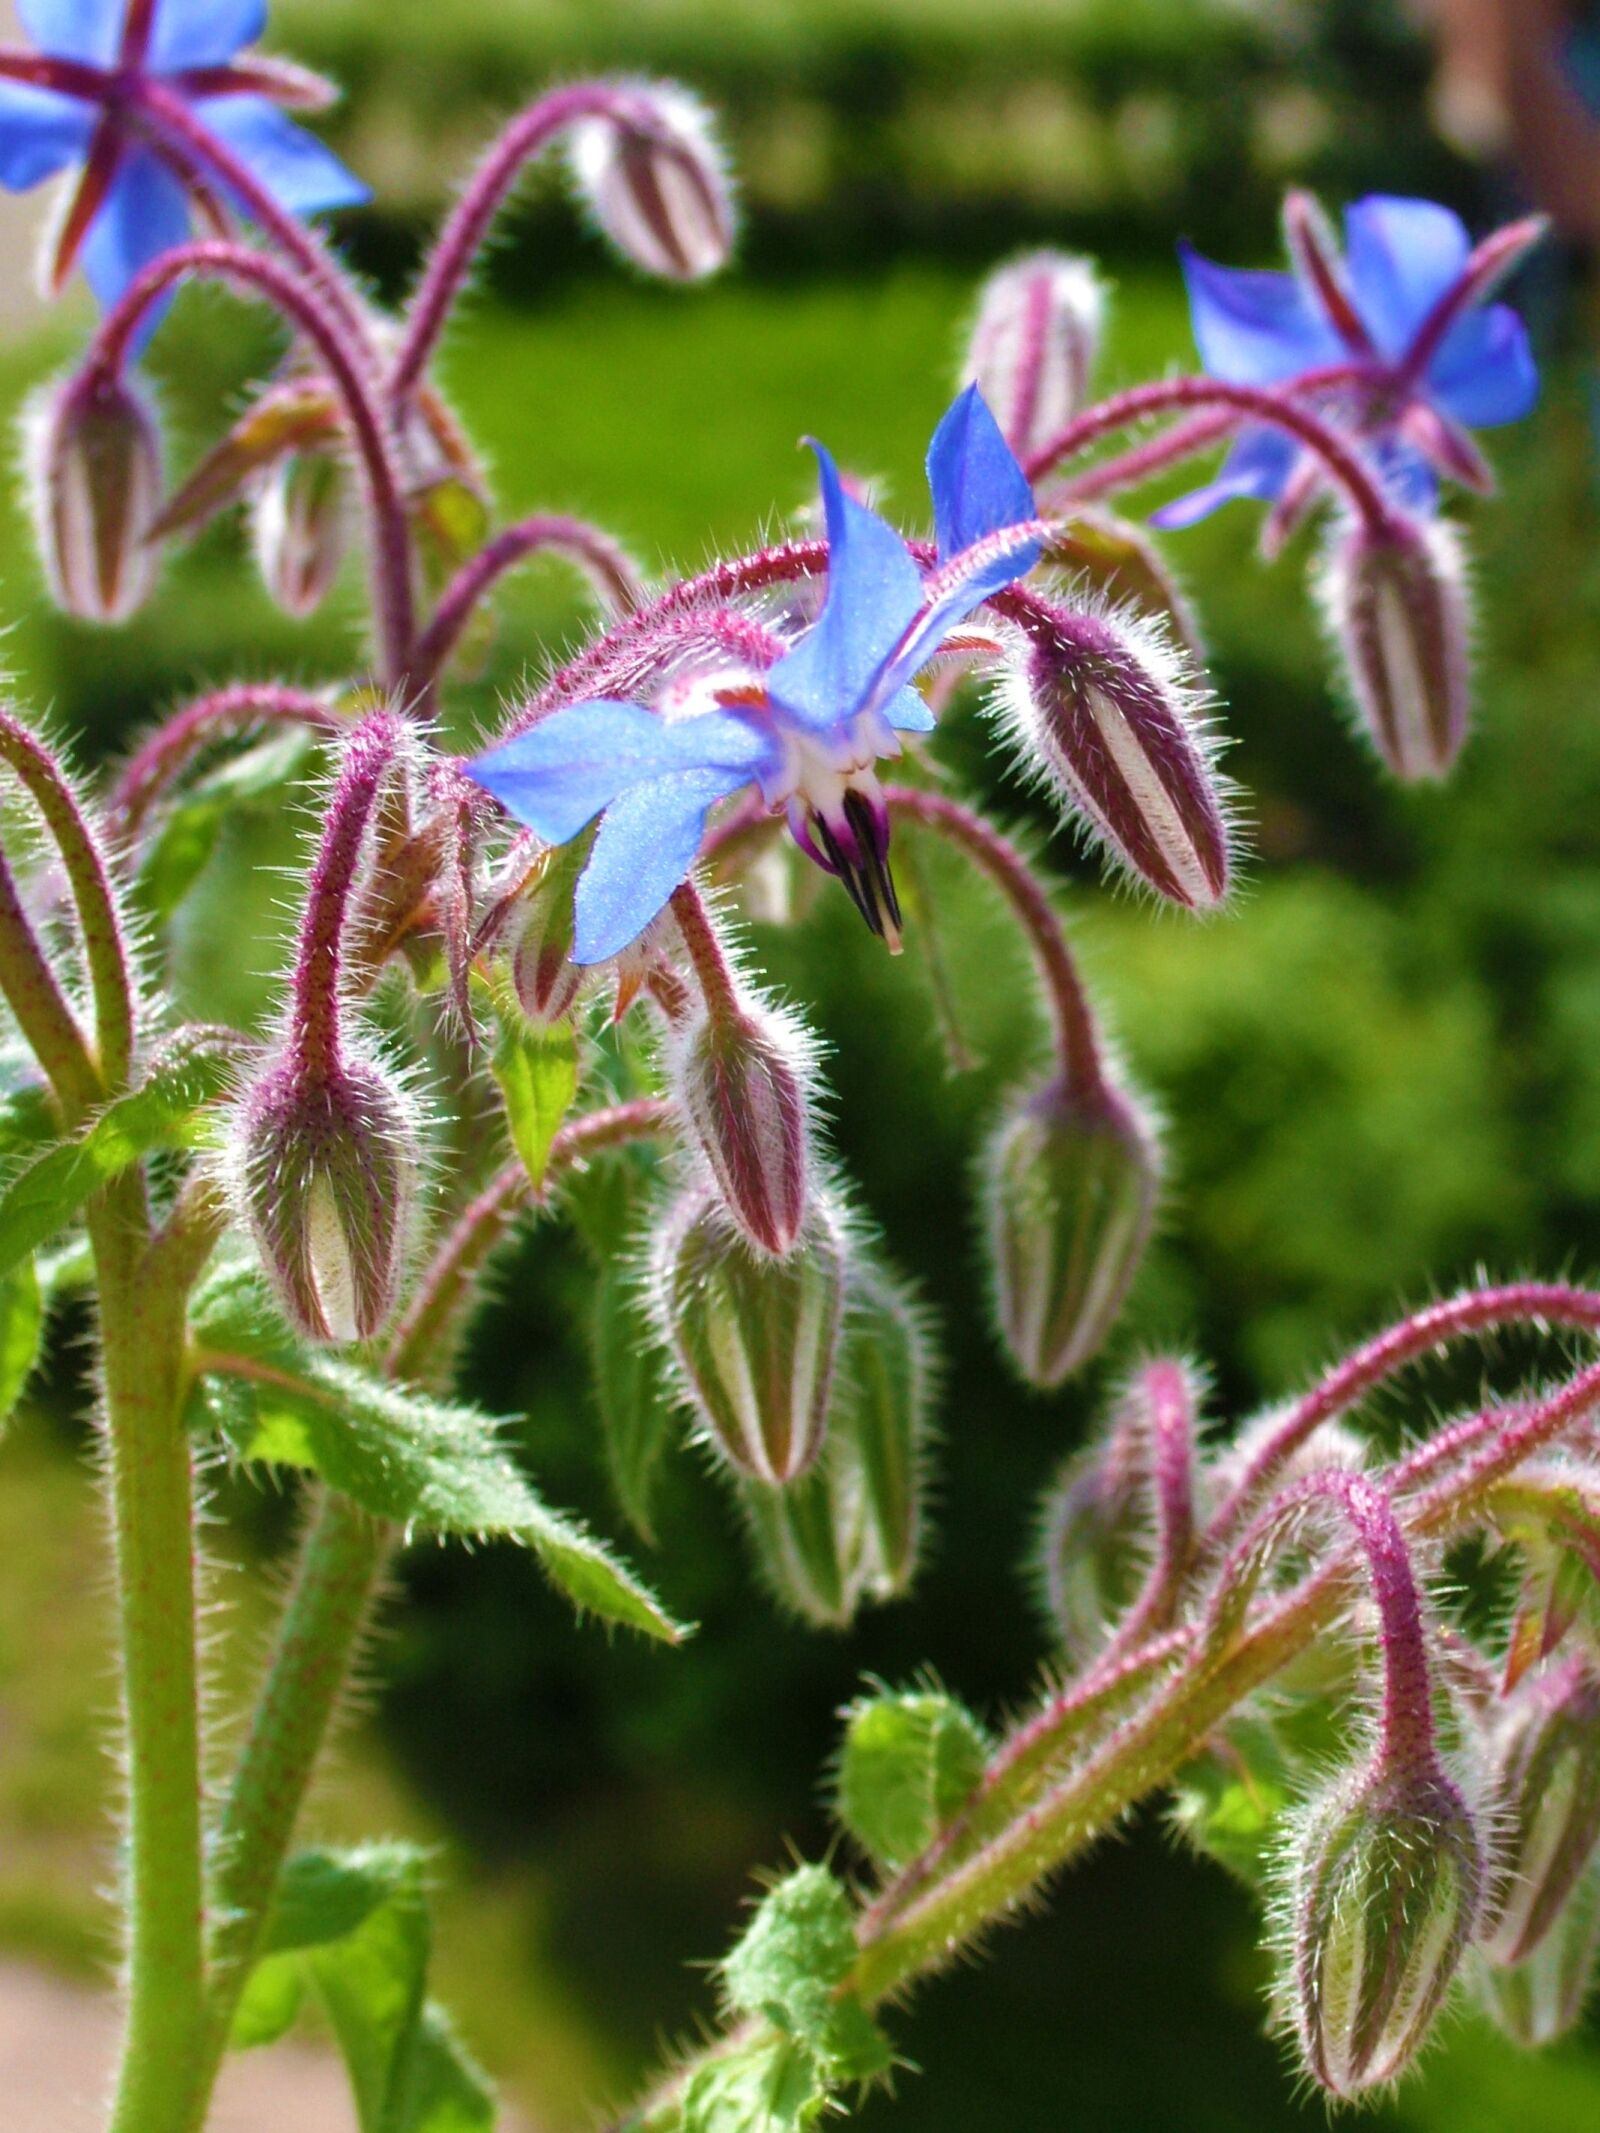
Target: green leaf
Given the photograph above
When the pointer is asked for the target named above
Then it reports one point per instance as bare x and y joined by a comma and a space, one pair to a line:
21, 1333
796, 1953
767, 2085
167, 1112
192, 824
636, 1408
353, 1928
537, 1073
428, 1465
909, 1764
1227, 1802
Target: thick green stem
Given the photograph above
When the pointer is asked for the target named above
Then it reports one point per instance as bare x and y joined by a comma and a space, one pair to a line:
152, 1494
340, 1564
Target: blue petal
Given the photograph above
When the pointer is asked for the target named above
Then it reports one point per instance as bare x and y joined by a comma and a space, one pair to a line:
874, 590
1259, 465
645, 847
1253, 327
145, 213
90, 30
40, 133
1401, 255
908, 712
294, 166
560, 774
203, 33
1484, 372
977, 484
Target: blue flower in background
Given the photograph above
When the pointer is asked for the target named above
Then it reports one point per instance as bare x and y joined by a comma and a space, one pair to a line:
79, 101
1407, 357
806, 733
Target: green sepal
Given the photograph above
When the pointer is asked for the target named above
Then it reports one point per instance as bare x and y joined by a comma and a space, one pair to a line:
795, 1955
536, 1071
909, 1764
637, 1412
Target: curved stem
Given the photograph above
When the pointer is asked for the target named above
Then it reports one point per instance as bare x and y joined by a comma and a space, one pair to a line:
1143, 461
715, 979
301, 303
99, 923
462, 237
1076, 1042
605, 561
1275, 409
158, 763
43, 1015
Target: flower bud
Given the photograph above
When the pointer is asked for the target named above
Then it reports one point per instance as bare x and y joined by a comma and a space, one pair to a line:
302, 521
98, 488
1034, 344
543, 975
811, 1539
656, 184
1545, 1755
886, 1390
327, 1165
1094, 1542
738, 1077
1387, 1878
1541, 1998
1071, 1196
1106, 712
755, 1338
1396, 610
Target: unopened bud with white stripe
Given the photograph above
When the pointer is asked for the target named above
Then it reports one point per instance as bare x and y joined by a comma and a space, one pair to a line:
1106, 712
740, 1078
95, 459
653, 175
1034, 344
1397, 613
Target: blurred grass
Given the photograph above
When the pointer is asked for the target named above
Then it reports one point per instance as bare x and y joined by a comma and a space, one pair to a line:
1380, 1068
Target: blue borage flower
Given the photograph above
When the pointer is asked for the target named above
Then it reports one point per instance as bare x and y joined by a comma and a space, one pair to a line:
79, 102
806, 733
1410, 356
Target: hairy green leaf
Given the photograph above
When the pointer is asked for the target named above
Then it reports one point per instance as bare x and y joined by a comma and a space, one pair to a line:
427, 1465
537, 1074
22, 1305
909, 1763
769, 2084
166, 1112
192, 824
795, 1954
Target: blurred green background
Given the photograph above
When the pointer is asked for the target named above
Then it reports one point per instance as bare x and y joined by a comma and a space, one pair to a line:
1381, 1067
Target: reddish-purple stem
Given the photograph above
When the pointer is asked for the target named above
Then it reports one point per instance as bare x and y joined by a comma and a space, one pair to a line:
162, 759
1489, 264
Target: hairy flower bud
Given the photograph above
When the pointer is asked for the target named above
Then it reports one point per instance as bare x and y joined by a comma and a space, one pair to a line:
811, 1540
1071, 1186
1541, 1998
1034, 344
739, 1079
887, 1387
1387, 1875
1545, 1754
97, 467
1106, 713
302, 521
327, 1165
755, 1338
656, 184
1396, 610
1094, 1542
543, 975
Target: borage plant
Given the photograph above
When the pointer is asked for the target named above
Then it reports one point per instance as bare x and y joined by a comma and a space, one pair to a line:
511, 970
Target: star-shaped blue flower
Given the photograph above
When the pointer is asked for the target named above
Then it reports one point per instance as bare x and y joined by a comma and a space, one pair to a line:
78, 101
1408, 356
806, 733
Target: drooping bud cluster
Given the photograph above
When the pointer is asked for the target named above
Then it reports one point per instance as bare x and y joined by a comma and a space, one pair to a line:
1545, 1759
95, 460
1395, 606
1386, 1888
656, 185
1104, 711
327, 1165
1071, 1184
755, 1339
739, 1075
1034, 344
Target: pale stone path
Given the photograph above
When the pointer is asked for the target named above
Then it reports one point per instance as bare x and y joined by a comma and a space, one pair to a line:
57, 2041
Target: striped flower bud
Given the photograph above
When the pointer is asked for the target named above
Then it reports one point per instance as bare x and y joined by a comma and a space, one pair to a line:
1107, 714
755, 1339
883, 1402
1541, 1998
1071, 1186
96, 457
1396, 611
656, 184
302, 520
1034, 344
543, 975
1094, 1541
1387, 1876
811, 1540
327, 1166
1545, 1757
739, 1077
